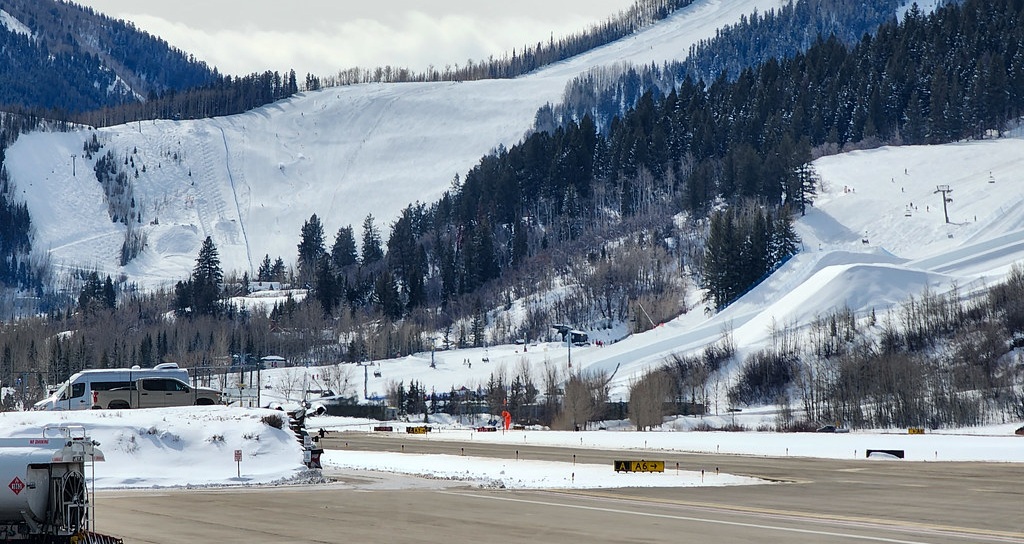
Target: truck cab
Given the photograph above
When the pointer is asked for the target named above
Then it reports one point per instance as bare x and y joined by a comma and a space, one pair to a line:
69, 396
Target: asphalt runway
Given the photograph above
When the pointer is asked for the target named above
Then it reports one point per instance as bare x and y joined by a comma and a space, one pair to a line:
804, 501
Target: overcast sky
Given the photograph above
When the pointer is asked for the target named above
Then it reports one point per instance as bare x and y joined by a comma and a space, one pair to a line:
323, 36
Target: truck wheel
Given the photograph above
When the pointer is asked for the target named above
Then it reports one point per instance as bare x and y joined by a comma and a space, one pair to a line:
204, 402
118, 405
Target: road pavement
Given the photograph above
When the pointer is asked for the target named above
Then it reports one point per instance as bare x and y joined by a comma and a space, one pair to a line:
803, 501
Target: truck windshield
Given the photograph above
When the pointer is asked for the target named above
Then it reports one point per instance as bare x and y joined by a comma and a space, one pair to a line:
71, 391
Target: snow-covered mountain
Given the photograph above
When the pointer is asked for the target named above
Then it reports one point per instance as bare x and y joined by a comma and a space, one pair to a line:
58, 55
876, 235
251, 180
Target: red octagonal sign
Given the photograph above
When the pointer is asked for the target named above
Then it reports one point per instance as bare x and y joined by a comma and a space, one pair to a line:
16, 485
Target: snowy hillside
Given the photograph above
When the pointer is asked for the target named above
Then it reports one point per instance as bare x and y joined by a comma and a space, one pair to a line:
14, 25
251, 180
862, 250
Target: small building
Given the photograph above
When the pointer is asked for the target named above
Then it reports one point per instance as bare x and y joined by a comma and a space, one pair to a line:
579, 338
273, 361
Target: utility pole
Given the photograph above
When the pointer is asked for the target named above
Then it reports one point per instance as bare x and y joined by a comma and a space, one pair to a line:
73, 157
433, 347
945, 190
366, 377
569, 344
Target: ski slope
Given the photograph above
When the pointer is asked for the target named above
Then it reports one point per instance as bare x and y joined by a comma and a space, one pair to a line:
251, 180
903, 257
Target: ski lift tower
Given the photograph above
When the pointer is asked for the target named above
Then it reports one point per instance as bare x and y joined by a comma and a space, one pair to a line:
566, 332
945, 190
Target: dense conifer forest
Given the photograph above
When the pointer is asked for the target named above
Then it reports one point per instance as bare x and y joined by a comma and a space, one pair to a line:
77, 60
605, 93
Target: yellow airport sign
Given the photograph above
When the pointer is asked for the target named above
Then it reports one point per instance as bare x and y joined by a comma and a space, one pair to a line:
640, 466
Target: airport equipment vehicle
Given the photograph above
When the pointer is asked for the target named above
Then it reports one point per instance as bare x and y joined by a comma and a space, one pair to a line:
45, 496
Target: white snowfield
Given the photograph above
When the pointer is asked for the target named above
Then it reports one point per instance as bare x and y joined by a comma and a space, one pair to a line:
194, 447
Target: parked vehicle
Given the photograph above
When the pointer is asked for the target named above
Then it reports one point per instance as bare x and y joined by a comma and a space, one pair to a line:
833, 429
154, 393
77, 393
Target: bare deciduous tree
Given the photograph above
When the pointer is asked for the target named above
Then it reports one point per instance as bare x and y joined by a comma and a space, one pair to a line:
289, 382
340, 379
552, 392
647, 397
585, 396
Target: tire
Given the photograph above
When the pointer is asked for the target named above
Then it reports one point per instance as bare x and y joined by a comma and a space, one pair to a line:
118, 405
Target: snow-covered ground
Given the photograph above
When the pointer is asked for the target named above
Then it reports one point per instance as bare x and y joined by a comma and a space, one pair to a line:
194, 447
174, 446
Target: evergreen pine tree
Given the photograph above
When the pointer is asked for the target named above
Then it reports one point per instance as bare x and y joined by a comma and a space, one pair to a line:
343, 252
387, 295
404, 257
914, 127
327, 291
372, 251
520, 241
785, 241
109, 295
721, 257
182, 297
264, 272
207, 278
90, 300
278, 272
756, 247
804, 188
311, 251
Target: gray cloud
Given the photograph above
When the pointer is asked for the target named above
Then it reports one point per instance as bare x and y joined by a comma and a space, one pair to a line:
321, 37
